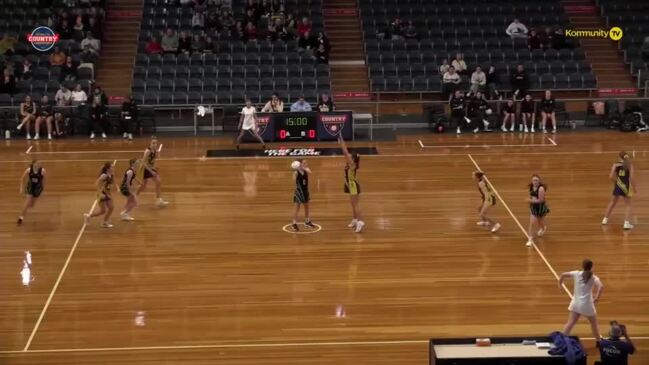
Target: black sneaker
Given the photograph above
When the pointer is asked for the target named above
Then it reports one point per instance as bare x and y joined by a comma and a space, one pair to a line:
20, 221
309, 224
295, 227
237, 147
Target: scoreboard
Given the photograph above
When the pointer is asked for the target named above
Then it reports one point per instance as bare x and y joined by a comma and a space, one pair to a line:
304, 126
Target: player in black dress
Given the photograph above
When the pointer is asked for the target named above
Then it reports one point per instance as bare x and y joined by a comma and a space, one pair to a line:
126, 189
104, 196
301, 196
623, 176
151, 172
457, 104
528, 114
538, 208
32, 183
548, 105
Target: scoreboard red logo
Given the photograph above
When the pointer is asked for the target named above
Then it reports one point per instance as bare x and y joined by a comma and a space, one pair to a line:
334, 124
262, 123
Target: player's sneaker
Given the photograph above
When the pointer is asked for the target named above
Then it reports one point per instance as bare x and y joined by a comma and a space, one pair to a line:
529, 243
309, 224
20, 220
161, 202
604, 221
106, 225
353, 223
495, 228
359, 226
541, 231
295, 227
482, 223
127, 217
628, 225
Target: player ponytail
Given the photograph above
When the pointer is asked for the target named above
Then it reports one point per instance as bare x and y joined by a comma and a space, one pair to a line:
587, 266
625, 158
105, 168
356, 158
478, 174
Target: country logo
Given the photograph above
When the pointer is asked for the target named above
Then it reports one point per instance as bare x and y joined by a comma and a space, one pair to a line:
43, 38
333, 123
262, 123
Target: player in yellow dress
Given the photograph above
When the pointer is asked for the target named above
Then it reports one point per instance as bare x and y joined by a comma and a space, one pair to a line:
352, 187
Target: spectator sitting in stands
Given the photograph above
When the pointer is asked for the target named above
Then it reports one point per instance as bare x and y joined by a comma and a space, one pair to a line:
198, 21
291, 25
213, 23
516, 29
278, 14
397, 28
443, 68
520, 81
87, 56
323, 40
250, 32
78, 29
459, 64
274, 105
271, 32
321, 55
64, 30
325, 104
25, 71
492, 82
78, 97
301, 105
169, 41
93, 43
63, 96
534, 41
8, 82
614, 350
644, 50
450, 82
411, 31
200, 6
69, 70
210, 46
153, 46
251, 5
95, 27
545, 38
237, 32
304, 27
305, 44
478, 80
198, 43
558, 39
251, 17
184, 43
57, 58
7, 45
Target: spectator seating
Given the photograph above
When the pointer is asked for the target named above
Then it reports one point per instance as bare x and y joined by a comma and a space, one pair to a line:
473, 28
633, 17
17, 19
254, 69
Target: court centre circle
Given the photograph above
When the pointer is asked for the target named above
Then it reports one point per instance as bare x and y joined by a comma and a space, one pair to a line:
287, 229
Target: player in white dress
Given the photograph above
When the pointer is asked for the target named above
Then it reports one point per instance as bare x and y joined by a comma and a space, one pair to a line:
248, 122
583, 302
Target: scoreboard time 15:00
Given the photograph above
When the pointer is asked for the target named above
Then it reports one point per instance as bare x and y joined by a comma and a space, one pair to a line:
297, 128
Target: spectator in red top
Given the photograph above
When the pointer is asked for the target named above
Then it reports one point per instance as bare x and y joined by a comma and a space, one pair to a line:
153, 46
533, 41
250, 32
304, 26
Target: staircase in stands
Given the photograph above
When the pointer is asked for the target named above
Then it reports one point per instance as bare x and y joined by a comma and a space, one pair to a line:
607, 62
115, 68
349, 76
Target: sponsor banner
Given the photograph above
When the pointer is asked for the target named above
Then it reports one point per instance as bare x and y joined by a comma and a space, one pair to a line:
43, 38
619, 91
351, 95
289, 152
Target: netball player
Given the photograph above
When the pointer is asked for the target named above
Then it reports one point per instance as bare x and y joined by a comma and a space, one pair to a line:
150, 172
583, 302
623, 176
351, 185
248, 122
104, 196
301, 196
488, 201
527, 114
127, 190
509, 116
538, 208
548, 105
32, 183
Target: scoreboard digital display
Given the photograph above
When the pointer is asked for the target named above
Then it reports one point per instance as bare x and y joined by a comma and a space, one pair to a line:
303, 126
296, 128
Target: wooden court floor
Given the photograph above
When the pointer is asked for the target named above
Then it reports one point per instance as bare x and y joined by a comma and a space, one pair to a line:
213, 278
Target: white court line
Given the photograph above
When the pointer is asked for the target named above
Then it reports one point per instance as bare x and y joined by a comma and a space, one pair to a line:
160, 148
29, 150
421, 143
79, 152
241, 345
554, 144
58, 280
493, 188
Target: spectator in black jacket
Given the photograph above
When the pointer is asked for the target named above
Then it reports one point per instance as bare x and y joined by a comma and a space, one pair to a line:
128, 117
184, 43
533, 41
558, 39
520, 81
614, 350
478, 110
458, 111
492, 82
98, 113
325, 104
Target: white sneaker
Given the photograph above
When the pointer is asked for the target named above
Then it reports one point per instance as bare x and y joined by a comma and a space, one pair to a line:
49, 136
37, 137
127, 217
125, 135
467, 120
495, 228
520, 128
458, 131
130, 136
503, 128
541, 231
532, 130
359, 226
86, 218
106, 225
92, 135
604, 221
545, 131
103, 136
527, 130
476, 130
529, 243
482, 223
29, 136
628, 225
161, 202
352, 224
554, 130
512, 128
